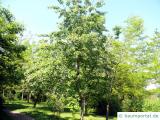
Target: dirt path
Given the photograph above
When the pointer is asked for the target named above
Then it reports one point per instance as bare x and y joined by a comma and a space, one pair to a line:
18, 116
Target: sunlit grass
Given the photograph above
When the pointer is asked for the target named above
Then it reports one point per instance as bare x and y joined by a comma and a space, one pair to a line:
76, 116
42, 112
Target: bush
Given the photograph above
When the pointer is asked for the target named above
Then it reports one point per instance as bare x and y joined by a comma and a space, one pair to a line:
72, 104
133, 104
55, 103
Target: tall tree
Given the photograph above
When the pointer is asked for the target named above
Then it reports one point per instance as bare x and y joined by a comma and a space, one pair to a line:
154, 57
134, 62
10, 48
81, 36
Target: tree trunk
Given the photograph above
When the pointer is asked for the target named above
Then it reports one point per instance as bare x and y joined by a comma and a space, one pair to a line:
36, 100
10, 95
22, 95
107, 112
35, 103
3, 93
86, 109
82, 108
28, 97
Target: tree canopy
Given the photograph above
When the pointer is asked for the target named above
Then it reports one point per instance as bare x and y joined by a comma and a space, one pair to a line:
10, 49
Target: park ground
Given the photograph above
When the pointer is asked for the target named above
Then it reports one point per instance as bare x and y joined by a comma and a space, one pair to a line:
22, 109
25, 111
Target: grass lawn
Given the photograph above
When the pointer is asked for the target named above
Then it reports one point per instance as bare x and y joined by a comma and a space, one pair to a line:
42, 112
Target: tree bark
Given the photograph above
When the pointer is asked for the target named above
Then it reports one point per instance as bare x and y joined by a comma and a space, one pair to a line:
107, 111
77, 87
86, 110
82, 108
36, 100
10, 95
35, 103
28, 97
3, 93
22, 95
109, 95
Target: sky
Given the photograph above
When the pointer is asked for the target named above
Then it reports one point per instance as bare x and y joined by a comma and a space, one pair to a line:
38, 19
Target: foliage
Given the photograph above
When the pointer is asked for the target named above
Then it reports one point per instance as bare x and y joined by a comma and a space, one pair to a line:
10, 49
80, 65
152, 104
80, 37
56, 103
72, 104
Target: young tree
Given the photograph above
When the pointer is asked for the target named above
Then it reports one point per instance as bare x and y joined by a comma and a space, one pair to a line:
154, 57
37, 66
132, 68
44, 70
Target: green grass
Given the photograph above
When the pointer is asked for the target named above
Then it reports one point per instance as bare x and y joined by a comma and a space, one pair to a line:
42, 112
39, 113
69, 116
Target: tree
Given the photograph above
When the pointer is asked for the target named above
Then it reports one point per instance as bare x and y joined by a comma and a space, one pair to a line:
44, 70
123, 67
10, 49
81, 36
153, 58
131, 69
36, 70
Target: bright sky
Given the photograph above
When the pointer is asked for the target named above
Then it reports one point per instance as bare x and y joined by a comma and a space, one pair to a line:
38, 19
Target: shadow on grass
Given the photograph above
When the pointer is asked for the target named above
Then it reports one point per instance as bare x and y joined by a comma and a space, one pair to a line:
42, 116
36, 114
14, 106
